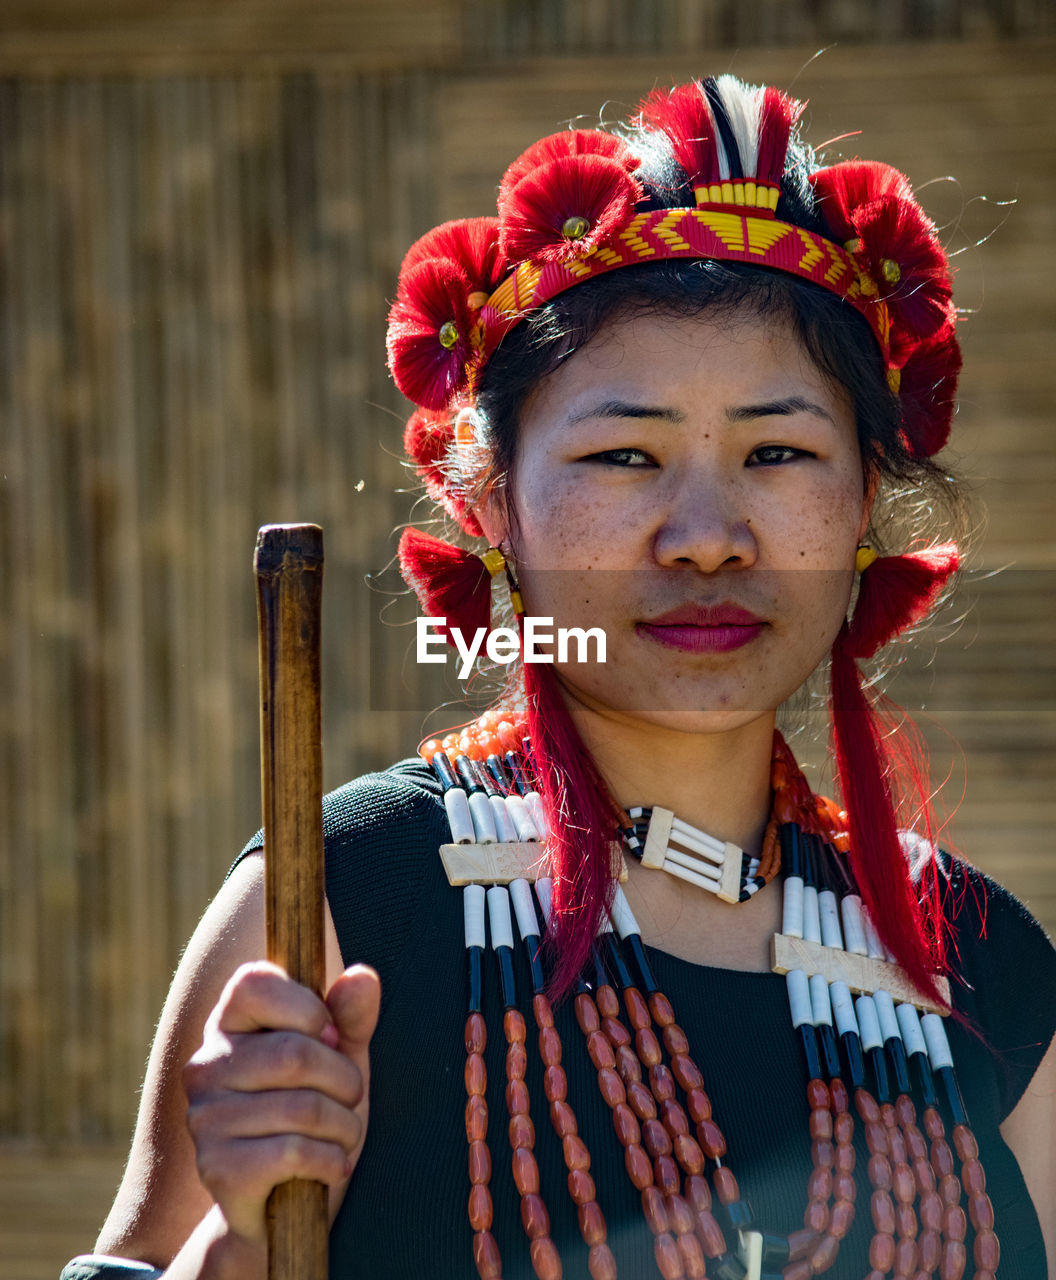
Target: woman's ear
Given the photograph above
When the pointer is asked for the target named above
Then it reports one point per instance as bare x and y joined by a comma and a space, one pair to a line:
489, 509
872, 485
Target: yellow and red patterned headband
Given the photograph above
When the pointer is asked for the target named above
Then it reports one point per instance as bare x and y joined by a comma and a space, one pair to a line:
572, 208
725, 233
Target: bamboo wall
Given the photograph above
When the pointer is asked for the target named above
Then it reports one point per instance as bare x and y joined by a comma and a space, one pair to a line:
202, 209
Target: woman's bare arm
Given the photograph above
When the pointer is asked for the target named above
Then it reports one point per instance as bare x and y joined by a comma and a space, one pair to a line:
162, 1201
1030, 1130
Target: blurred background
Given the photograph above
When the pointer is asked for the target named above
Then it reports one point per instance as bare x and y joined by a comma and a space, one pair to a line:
203, 206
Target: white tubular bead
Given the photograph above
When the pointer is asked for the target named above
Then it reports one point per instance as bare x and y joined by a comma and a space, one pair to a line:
753, 866
799, 998
752, 1253
456, 802
935, 1038
499, 917
853, 926
909, 1025
691, 877
874, 947
504, 827
842, 1007
535, 808
521, 818
792, 914
868, 1023
811, 915
692, 863
483, 822
820, 1003
524, 908
829, 908
694, 838
708, 851
885, 1011
544, 891
473, 914
623, 920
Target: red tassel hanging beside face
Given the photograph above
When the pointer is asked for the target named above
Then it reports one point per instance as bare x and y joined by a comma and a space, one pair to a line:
895, 593
449, 582
581, 817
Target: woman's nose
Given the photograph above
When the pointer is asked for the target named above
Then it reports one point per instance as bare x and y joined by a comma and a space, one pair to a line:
705, 527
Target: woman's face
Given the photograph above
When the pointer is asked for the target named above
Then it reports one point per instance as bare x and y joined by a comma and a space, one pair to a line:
693, 487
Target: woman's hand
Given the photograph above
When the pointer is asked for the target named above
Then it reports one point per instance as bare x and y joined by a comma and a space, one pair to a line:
278, 1088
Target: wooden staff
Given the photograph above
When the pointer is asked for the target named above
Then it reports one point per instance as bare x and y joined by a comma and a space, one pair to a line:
289, 569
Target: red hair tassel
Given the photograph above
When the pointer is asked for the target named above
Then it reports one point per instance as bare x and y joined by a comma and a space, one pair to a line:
896, 592
582, 818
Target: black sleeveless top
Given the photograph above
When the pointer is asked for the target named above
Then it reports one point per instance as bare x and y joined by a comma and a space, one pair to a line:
405, 1212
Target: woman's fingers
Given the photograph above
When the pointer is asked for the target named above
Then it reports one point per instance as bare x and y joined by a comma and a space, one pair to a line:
240, 1173
269, 1114
252, 1062
262, 997
277, 1089
353, 1002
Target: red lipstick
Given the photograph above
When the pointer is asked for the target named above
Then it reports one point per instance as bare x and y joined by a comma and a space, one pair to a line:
703, 628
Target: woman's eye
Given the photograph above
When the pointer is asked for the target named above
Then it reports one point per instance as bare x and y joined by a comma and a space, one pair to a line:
772, 455
621, 458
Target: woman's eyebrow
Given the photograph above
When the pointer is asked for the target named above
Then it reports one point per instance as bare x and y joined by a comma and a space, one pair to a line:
625, 409
778, 408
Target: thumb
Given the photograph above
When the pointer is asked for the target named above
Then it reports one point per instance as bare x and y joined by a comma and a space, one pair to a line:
354, 1001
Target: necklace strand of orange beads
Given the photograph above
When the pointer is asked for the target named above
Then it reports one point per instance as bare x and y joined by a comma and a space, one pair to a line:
674, 1151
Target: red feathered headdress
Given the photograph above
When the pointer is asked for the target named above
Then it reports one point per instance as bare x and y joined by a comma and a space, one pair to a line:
573, 206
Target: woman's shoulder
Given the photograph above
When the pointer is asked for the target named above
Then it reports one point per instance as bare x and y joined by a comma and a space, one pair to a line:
985, 920
398, 801
1002, 968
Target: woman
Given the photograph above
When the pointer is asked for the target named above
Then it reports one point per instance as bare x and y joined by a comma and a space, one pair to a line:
688, 453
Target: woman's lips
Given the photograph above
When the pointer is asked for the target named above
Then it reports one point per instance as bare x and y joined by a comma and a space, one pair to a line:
703, 628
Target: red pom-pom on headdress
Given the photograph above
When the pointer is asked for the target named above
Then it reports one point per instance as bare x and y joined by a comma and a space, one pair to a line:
472, 243
427, 440
870, 207
566, 195
928, 392
841, 189
559, 146
430, 339
449, 582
